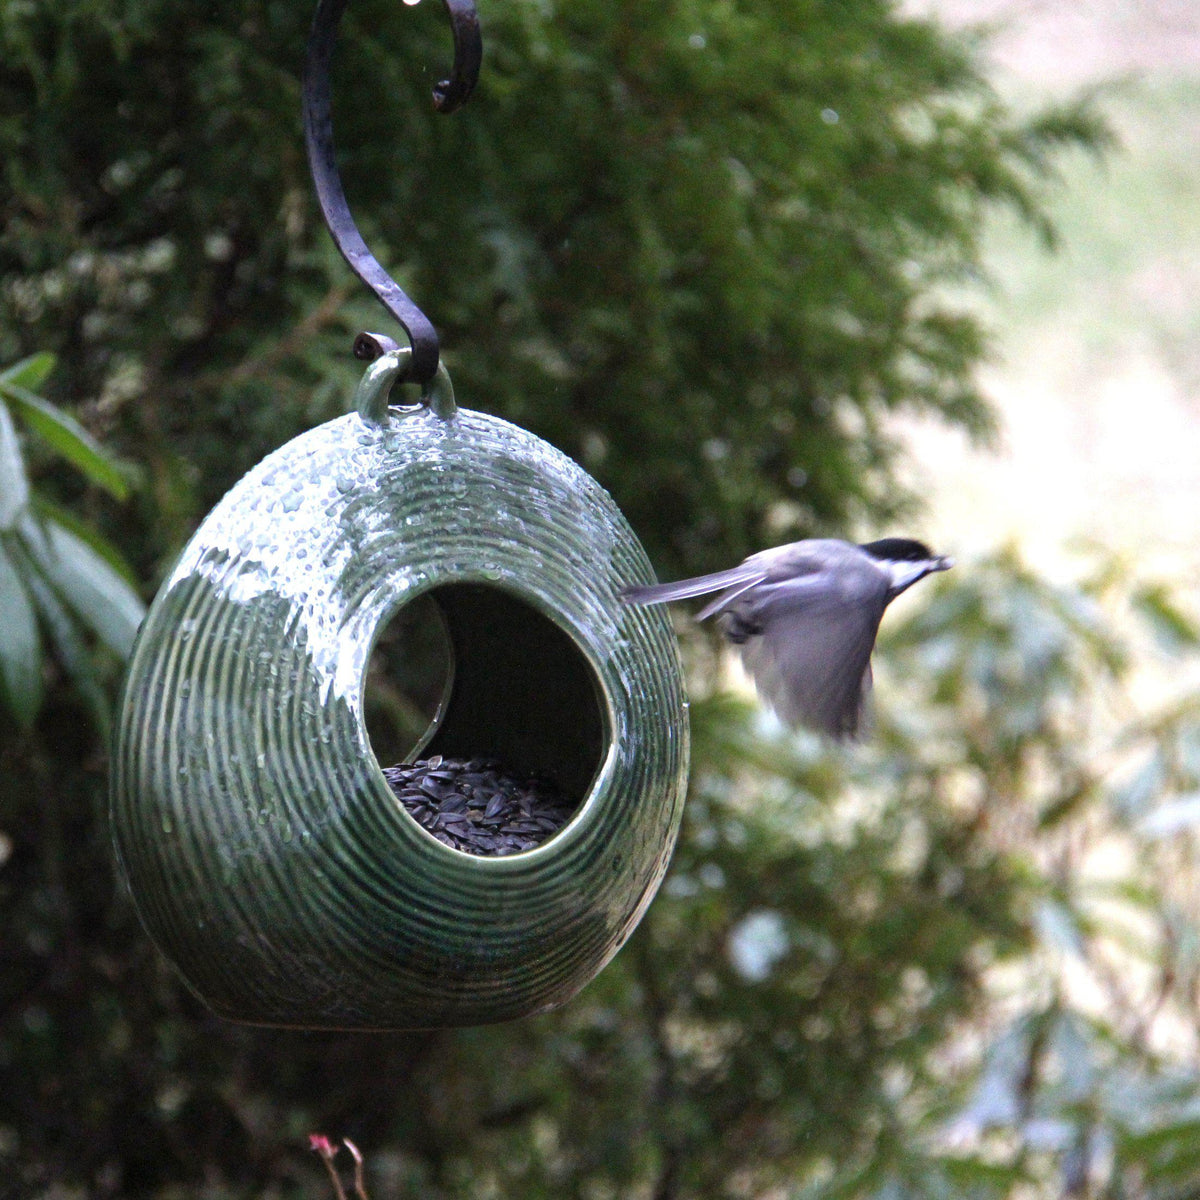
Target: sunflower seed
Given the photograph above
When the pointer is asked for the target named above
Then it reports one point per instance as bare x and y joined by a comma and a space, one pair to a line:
477, 806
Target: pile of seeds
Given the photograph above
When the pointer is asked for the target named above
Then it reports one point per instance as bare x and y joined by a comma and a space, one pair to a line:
476, 806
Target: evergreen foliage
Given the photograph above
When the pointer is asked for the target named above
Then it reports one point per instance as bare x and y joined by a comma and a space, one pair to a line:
706, 249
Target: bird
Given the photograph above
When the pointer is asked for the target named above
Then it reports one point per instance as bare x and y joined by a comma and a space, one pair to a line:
805, 617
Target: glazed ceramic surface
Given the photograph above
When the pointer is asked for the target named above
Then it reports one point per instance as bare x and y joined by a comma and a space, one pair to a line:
263, 848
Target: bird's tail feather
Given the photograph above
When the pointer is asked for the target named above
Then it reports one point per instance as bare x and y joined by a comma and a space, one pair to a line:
685, 589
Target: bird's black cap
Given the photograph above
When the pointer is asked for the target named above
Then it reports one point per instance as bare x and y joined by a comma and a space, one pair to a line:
899, 550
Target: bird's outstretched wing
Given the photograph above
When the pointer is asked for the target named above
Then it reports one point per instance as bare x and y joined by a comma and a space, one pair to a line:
811, 660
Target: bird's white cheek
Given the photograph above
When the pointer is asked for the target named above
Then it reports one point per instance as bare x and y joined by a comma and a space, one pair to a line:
905, 574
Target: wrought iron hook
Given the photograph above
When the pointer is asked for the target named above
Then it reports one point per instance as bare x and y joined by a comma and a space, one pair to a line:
448, 95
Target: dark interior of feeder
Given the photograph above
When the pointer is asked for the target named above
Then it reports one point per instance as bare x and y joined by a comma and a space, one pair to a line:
485, 679
407, 680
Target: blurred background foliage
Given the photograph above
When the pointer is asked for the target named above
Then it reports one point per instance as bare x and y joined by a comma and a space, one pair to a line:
709, 249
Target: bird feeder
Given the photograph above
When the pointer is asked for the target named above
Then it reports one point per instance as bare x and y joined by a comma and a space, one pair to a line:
266, 853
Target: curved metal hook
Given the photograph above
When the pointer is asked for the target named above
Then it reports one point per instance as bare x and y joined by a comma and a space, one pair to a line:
448, 95
453, 93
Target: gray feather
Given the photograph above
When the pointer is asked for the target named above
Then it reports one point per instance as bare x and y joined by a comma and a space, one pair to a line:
685, 589
813, 667
728, 597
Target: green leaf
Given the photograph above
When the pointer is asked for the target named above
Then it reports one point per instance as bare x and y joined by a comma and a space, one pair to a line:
86, 583
48, 509
1173, 628
65, 435
20, 646
1166, 1150
1067, 804
963, 1171
30, 372
68, 644
14, 485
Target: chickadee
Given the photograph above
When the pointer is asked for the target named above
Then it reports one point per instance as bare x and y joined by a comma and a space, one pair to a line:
805, 618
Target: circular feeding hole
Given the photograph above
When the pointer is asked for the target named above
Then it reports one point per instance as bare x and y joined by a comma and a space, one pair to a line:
487, 718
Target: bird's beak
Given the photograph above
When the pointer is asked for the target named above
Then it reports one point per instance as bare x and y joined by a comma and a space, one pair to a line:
944, 563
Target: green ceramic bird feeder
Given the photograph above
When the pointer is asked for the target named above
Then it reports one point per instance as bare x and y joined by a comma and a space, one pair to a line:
265, 850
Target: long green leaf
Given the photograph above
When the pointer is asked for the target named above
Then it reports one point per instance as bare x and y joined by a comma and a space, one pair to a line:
47, 509
20, 646
1173, 627
65, 636
1165, 1149
85, 583
14, 484
64, 434
30, 372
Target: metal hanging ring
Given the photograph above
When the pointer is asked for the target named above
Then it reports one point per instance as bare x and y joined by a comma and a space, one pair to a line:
448, 95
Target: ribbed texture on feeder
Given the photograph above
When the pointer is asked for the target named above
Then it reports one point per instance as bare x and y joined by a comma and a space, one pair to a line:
264, 850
